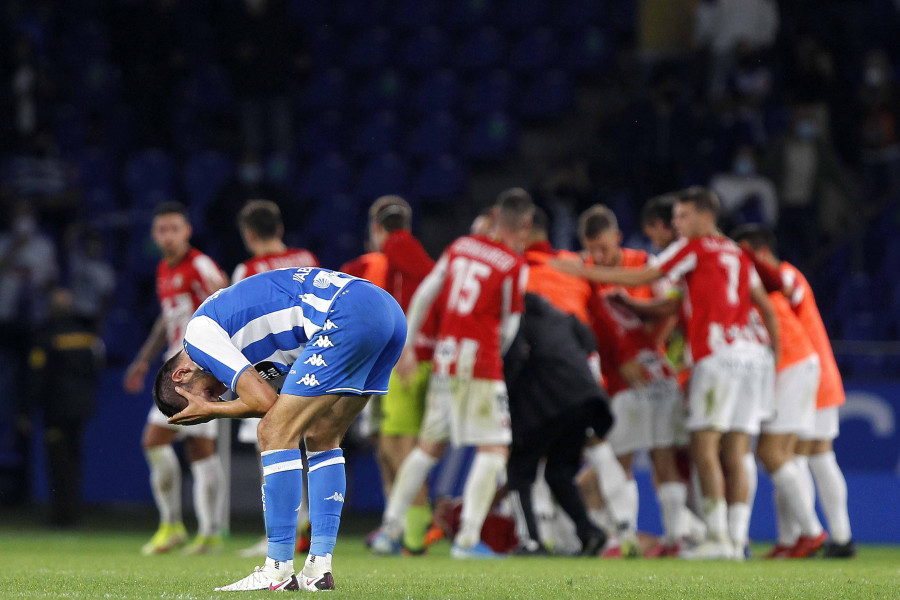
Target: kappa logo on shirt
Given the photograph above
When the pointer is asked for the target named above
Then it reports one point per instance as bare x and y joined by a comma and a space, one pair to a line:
323, 342
329, 325
315, 360
309, 379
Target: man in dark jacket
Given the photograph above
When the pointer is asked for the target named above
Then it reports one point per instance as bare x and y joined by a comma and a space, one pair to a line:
554, 398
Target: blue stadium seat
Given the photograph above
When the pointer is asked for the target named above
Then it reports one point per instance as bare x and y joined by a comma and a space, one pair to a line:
98, 85
326, 47
425, 51
324, 133
534, 50
523, 14
379, 134
326, 90
855, 294
441, 179
865, 326
412, 15
69, 128
495, 136
371, 51
360, 14
438, 91
589, 51
98, 202
96, 170
386, 174
549, 95
326, 177
85, 42
575, 14
186, 129
208, 89
491, 93
310, 12
281, 171
466, 15
385, 90
481, 50
204, 175
437, 134
149, 176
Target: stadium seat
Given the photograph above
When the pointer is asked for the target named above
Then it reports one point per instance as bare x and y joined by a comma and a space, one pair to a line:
98, 202
326, 90
494, 137
589, 51
865, 326
491, 93
69, 128
466, 15
549, 95
208, 89
386, 174
481, 50
438, 91
326, 47
385, 90
441, 179
148, 172
96, 170
533, 50
437, 134
523, 14
360, 14
371, 51
576, 14
281, 171
328, 176
84, 42
204, 175
322, 134
425, 51
379, 134
413, 15
98, 85
310, 12
855, 294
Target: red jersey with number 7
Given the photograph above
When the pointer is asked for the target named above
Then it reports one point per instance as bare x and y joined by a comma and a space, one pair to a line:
484, 281
719, 277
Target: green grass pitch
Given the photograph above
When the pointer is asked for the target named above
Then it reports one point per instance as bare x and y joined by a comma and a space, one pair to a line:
86, 564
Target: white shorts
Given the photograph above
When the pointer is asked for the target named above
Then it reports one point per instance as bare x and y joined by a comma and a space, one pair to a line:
730, 389
648, 417
205, 430
468, 412
795, 398
826, 425
247, 430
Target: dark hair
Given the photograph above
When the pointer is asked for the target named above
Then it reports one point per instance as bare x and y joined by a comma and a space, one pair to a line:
514, 207
391, 212
658, 208
167, 400
596, 220
171, 208
756, 235
703, 199
262, 217
540, 222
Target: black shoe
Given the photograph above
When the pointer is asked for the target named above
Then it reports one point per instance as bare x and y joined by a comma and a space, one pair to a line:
531, 548
846, 550
592, 543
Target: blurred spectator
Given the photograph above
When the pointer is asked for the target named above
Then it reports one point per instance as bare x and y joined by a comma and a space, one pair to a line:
806, 171
879, 136
31, 88
91, 277
746, 196
265, 54
65, 363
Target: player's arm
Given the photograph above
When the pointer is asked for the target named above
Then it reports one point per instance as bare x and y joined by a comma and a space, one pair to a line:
610, 275
761, 300
656, 308
153, 345
418, 309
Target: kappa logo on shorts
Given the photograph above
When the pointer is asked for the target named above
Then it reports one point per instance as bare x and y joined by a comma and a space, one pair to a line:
315, 360
323, 342
329, 325
309, 379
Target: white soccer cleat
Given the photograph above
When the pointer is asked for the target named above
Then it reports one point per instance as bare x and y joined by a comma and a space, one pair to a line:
260, 580
710, 550
322, 583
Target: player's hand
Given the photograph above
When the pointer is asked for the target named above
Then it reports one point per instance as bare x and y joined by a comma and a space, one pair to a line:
407, 365
570, 267
133, 382
196, 411
634, 374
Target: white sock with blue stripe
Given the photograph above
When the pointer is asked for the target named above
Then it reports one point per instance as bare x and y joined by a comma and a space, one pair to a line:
327, 482
282, 494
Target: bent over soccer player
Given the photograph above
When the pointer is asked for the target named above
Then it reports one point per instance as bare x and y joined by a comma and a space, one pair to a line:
337, 337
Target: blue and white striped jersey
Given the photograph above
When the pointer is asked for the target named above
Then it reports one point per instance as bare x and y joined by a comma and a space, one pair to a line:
265, 318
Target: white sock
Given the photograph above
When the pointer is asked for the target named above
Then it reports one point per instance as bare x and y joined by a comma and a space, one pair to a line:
715, 513
739, 523
832, 495
279, 569
787, 482
788, 528
631, 495
165, 481
209, 494
613, 481
478, 493
316, 566
752, 478
672, 497
696, 527
600, 517
410, 477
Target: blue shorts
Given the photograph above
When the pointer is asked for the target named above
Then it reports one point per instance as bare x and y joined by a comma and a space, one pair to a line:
356, 351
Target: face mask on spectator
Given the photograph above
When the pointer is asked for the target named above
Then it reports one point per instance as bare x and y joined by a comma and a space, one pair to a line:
744, 166
806, 129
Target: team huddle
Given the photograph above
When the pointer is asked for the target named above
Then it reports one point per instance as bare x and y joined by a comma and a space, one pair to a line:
543, 360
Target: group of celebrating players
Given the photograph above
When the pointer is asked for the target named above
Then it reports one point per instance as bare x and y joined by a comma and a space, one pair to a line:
702, 348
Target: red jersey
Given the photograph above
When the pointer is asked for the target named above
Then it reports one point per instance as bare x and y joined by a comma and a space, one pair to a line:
622, 337
407, 265
719, 277
484, 282
291, 257
181, 288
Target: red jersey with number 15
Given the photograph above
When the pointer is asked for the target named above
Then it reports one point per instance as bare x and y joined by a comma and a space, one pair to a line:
181, 288
484, 282
719, 277
291, 257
